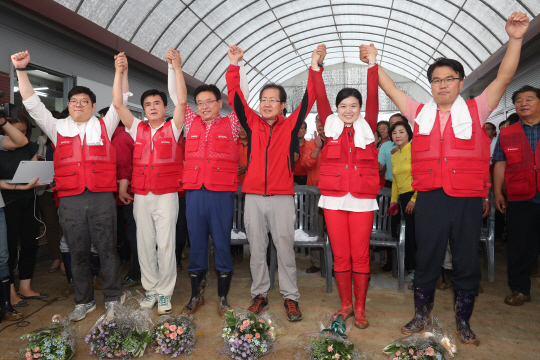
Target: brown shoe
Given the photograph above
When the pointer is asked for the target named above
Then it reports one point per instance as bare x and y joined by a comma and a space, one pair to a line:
517, 299
13, 315
258, 304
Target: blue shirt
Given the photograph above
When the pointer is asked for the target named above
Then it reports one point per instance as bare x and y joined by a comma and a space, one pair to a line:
532, 133
385, 158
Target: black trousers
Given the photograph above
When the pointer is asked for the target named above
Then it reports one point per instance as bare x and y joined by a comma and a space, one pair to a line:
49, 215
23, 229
90, 218
442, 219
410, 241
523, 220
181, 229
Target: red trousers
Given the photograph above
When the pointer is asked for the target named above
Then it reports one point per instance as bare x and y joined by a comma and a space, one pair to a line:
349, 234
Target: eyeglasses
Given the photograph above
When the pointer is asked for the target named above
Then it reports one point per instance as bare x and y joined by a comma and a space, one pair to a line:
270, 101
207, 103
82, 102
448, 81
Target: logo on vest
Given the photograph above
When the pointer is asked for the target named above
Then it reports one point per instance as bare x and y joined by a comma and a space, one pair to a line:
512, 149
165, 142
222, 137
65, 142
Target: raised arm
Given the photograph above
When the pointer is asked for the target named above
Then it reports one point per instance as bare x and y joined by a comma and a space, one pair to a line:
181, 99
14, 138
299, 115
20, 61
236, 97
386, 83
516, 27
112, 118
323, 104
372, 101
118, 99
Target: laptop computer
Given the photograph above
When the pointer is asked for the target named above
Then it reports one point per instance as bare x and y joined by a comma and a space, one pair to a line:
29, 170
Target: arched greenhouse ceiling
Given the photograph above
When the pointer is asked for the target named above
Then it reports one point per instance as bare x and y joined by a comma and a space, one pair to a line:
279, 36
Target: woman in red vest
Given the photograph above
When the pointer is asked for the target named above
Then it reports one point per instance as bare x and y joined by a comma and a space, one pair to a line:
349, 183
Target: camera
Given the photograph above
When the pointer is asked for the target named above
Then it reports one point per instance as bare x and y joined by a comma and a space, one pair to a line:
8, 110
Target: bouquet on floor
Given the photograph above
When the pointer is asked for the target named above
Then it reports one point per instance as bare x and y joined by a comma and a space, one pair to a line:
329, 343
56, 342
249, 336
122, 332
433, 343
173, 335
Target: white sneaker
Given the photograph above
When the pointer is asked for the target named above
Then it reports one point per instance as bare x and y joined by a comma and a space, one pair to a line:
164, 305
149, 302
81, 310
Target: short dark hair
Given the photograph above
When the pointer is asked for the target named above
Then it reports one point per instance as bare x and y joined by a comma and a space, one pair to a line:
348, 92
384, 122
524, 89
305, 125
512, 119
405, 125
207, 87
23, 119
153, 92
282, 92
403, 118
104, 111
82, 90
440, 62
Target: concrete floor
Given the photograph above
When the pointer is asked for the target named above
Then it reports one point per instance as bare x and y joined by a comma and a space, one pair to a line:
505, 332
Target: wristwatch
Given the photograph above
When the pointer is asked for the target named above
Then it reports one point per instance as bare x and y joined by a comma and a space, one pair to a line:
372, 63
4, 123
320, 65
487, 199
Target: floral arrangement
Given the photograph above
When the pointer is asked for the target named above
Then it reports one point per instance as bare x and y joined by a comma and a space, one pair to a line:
329, 343
173, 335
431, 344
54, 343
416, 347
248, 336
112, 340
123, 331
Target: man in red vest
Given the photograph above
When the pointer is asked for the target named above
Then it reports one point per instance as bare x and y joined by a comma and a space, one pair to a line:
516, 158
156, 181
450, 168
85, 177
210, 180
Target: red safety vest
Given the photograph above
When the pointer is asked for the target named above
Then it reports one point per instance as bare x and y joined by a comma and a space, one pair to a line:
346, 168
77, 166
211, 158
460, 167
521, 173
157, 169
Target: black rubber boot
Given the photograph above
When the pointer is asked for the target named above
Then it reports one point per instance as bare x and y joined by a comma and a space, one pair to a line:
224, 284
423, 304
463, 307
7, 311
198, 283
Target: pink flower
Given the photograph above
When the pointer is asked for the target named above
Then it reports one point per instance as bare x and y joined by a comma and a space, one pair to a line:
180, 331
270, 333
430, 352
257, 335
395, 359
260, 320
37, 355
245, 323
235, 334
411, 351
249, 341
173, 335
330, 348
398, 353
337, 356
414, 357
36, 349
419, 354
166, 325
173, 328
166, 333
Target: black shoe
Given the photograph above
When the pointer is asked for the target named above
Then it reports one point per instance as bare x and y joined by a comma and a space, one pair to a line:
198, 283
224, 284
423, 304
313, 269
7, 312
463, 307
386, 264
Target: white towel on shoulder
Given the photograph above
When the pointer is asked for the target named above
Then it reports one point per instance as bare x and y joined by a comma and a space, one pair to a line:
363, 135
460, 117
68, 128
